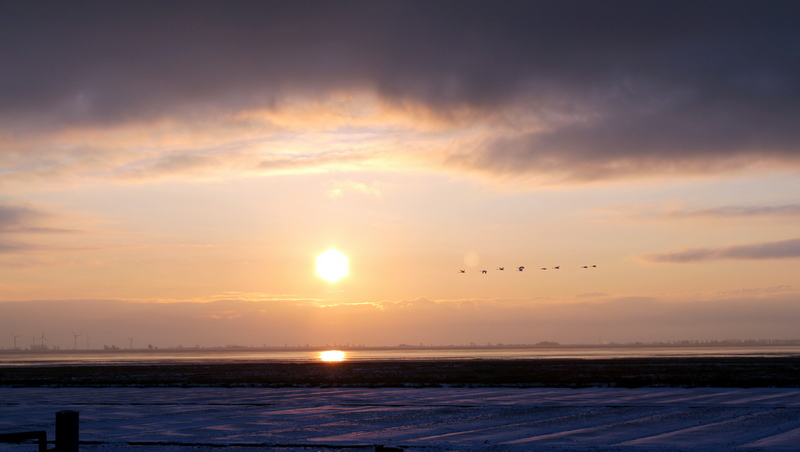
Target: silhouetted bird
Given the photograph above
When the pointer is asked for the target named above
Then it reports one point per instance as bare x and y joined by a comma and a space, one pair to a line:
557, 267
519, 269
501, 268
543, 268
483, 271
461, 271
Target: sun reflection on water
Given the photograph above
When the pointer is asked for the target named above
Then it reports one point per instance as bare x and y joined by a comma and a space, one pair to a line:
332, 355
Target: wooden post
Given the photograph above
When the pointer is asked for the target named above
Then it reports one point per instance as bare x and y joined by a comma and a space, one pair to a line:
67, 431
40, 436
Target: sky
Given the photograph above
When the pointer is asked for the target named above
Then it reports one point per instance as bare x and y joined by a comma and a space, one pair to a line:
170, 171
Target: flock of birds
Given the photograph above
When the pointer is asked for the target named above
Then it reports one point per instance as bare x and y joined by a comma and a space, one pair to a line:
522, 268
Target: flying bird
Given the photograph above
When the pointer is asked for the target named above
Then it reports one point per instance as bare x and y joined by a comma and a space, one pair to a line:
543, 268
520, 268
557, 267
501, 268
462, 271
483, 271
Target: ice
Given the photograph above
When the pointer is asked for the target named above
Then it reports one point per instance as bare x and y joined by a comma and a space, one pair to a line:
429, 419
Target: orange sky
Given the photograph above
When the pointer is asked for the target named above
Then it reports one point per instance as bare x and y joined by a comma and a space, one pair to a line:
193, 177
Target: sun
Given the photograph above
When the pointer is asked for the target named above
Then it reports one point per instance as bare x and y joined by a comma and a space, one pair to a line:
332, 265
332, 356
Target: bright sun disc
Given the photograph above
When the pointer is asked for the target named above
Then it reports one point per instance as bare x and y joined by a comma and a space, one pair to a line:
332, 355
332, 265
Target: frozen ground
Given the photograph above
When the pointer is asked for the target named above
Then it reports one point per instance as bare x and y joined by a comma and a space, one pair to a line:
429, 419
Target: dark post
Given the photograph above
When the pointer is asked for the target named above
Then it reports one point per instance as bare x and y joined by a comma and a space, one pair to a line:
40, 436
67, 431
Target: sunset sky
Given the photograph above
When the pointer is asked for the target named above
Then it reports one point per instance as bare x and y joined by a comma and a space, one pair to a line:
170, 171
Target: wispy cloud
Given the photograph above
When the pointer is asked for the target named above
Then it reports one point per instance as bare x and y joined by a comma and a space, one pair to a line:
321, 161
674, 210
187, 164
15, 218
20, 222
784, 249
27, 219
786, 210
342, 188
13, 248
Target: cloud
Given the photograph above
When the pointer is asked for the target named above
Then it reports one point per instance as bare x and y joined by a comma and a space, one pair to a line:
176, 164
18, 217
26, 219
322, 161
22, 220
786, 210
673, 210
570, 91
13, 248
591, 295
340, 188
758, 291
784, 249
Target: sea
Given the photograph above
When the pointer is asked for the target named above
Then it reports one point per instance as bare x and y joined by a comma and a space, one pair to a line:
10, 358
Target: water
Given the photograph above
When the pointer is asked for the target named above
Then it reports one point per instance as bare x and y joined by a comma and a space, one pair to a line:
132, 357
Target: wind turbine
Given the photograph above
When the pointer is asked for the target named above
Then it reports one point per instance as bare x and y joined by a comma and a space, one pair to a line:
43, 338
15, 339
76, 339
131, 339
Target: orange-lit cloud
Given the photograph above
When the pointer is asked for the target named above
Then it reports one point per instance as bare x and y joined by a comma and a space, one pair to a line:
341, 188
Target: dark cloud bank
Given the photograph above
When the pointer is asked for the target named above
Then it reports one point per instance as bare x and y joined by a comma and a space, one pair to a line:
626, 87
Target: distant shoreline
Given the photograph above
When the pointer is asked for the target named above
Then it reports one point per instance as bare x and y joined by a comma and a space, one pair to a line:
541, 345
163, 357
738, 372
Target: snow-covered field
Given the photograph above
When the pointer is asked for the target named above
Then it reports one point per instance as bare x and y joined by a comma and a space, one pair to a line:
430, 419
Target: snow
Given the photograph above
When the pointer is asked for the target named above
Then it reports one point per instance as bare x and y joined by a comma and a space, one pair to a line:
429, 419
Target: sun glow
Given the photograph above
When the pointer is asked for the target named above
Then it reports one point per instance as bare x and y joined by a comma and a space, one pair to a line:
332, 355
332, 265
